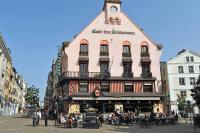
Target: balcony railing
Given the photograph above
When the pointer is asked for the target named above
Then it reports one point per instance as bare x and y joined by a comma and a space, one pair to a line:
144, 54
104, 54
86, 75
127, 75
126, 54
146, 75
83, 53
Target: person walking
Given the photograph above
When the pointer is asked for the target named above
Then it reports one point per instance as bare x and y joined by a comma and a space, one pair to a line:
55, 115
34, 116
101, 119
46, 118
39, 116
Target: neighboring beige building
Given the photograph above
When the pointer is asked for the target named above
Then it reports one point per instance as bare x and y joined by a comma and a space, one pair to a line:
4, 59
6, 76
112, 64
11, 91
19, 88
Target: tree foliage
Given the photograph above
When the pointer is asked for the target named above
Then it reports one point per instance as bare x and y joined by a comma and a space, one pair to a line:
196, 92
32, 97
181, 102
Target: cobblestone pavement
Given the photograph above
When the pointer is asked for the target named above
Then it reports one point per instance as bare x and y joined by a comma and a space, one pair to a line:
23, 125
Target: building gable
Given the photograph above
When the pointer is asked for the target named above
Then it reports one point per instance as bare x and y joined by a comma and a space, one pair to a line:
182, 55
117, 27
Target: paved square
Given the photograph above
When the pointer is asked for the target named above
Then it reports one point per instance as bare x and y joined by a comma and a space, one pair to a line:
23, 125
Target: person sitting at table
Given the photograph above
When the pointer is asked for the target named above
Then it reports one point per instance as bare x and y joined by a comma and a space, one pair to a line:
70, 122
62, 118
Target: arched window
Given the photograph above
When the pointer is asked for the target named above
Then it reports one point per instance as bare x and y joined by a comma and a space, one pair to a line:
126, 49
84, 41
84, 47
144, 47
104, 50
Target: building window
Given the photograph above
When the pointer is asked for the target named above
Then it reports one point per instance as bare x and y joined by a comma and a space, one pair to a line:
128, 87
104, 50
126, 51
180, 69
144, 49
192, 81
147, 88
191, 69
84, 49
83, 69
146, 73
182, 81
104, 69
191, 58
83, 87
127, 70
105, 87
183, 93
199, 68
187, 59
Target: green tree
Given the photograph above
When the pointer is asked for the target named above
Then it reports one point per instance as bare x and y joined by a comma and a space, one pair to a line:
196, 92
181, 102
32, 97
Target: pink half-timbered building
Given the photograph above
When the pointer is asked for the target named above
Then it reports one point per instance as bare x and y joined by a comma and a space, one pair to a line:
111, 64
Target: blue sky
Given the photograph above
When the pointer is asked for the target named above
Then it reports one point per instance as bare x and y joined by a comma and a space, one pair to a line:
33, 29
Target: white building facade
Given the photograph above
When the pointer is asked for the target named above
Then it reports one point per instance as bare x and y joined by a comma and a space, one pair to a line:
182, 72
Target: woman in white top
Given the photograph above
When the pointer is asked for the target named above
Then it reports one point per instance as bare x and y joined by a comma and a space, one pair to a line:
62, 118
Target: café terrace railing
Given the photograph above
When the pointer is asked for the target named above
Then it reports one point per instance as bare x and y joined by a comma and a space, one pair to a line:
85, 75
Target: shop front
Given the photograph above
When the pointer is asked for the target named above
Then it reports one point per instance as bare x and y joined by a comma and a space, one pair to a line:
110, 104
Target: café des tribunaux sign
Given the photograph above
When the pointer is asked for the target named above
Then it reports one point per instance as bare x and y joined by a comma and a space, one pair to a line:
117, 32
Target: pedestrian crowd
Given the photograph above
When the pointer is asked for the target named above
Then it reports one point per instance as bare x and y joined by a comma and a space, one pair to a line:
115, 118
37, 115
